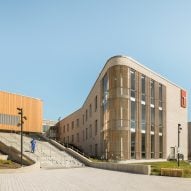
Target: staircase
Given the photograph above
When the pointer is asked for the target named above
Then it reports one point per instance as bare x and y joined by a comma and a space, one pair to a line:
45, 153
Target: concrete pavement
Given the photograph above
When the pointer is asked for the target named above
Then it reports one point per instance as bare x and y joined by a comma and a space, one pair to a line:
89, 179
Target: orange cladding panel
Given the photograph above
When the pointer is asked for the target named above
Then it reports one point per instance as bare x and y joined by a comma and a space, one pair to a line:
32, 109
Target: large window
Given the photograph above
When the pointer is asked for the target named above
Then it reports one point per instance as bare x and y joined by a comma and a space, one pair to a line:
160, 120
143, 145
152, 91
160, 146
96, 103
133, 145
105, 91
160, 95
152, 119
133, 114
96, 127
90, 110
132, 74
143, 90
143, 116
152, 146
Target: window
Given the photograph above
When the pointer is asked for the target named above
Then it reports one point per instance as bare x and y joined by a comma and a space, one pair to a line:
83, 120
86, 114
152, 119
152, 146
133, 145
72, 138
143, 117
77, 122
143, 145
132, 75
95, 149
95, 127
133, 114
90, 110
160, 120
72, 125
105, 91
161, 146
64, 129
96, 103
160, 95
152, 91
68, 127
143, 91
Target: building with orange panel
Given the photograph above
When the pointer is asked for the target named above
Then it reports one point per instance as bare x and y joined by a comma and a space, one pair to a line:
9, 118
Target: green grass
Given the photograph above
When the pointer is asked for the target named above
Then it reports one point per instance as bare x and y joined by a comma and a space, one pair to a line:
8, 164
156, 167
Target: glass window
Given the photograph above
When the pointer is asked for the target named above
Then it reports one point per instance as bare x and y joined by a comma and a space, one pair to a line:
143, 146
132, 75
143, 117
133, 114
152, 91
160, 146
152, 146
96, 103
86, 114
160, 120
152, 118
160, 95
132, 145
83, 119
72, 125
143, 91
95, 127
90, 110
77, 122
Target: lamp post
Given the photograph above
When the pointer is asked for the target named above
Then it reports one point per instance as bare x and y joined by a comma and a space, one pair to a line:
21, 124
179, 129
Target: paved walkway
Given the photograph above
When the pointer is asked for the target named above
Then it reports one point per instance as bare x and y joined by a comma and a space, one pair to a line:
89, 179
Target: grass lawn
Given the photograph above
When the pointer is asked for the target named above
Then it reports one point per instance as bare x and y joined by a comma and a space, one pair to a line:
7, 164
156, 167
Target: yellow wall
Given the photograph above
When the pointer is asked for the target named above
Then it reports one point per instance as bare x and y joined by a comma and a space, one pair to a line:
32, 109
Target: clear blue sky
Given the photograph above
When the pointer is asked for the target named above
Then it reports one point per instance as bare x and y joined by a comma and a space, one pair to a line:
54, 50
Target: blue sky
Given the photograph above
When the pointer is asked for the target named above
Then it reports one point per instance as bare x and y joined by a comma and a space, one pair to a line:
54, 50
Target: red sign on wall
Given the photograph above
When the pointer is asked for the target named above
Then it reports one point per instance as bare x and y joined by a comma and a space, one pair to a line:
183, 99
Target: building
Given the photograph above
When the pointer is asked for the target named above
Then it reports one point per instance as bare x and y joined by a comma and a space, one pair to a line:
9, 117
131, 112
49, 128
47, 124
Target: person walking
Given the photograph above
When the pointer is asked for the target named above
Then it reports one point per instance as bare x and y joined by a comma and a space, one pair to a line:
33, 145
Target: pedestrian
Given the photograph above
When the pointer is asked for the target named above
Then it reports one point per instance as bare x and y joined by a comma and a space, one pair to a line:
33, 145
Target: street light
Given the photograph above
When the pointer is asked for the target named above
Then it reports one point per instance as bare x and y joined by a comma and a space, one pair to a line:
179, 129
21, 124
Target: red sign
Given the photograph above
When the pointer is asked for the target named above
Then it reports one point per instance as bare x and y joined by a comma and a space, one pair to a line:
183, 99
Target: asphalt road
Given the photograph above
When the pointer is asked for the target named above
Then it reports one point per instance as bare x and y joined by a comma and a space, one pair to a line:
89, 179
